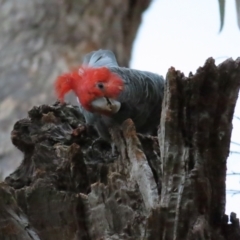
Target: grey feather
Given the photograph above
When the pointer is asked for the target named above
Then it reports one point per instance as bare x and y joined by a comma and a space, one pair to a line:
141, 99
100, 58
89, 117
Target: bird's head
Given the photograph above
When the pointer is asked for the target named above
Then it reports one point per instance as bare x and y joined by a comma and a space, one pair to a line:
96, 88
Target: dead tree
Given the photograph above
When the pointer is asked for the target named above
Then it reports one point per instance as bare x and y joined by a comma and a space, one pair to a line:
171, 186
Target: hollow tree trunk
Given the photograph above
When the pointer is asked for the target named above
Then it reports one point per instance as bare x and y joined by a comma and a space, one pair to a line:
166, 187
40, 39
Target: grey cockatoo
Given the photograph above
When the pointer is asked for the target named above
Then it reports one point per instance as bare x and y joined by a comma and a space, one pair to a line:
109, 94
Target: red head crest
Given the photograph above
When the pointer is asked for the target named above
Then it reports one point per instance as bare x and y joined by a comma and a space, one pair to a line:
90, 84
67, 82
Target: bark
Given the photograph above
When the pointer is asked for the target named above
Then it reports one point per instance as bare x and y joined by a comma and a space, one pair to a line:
170, 186
40, 39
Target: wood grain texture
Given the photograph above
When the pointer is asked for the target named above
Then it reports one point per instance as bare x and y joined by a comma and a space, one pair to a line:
166, 187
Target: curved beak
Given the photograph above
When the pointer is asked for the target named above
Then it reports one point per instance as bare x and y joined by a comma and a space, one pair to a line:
107, 105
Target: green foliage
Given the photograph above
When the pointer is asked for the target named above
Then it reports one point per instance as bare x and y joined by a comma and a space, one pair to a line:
238, 12
222, 12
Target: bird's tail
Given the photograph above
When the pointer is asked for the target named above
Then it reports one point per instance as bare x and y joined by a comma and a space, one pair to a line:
66, 83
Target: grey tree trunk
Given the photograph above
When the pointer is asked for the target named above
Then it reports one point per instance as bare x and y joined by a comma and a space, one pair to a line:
169, 187
40, 39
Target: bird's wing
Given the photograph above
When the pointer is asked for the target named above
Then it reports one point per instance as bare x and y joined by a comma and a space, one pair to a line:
142, 95
100, 58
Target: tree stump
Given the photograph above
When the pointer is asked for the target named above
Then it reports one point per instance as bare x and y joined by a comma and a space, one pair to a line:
170, 186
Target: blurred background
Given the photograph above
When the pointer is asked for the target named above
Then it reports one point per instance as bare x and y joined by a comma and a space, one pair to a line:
41, 39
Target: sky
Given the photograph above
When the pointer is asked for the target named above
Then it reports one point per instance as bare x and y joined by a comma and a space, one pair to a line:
183, 34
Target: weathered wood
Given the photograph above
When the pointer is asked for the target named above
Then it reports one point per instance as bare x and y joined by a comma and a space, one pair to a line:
194, 141
66, 187
170, 187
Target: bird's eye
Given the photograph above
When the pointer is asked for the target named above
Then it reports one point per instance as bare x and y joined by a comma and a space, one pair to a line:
100, 86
